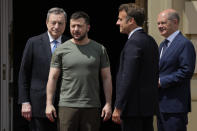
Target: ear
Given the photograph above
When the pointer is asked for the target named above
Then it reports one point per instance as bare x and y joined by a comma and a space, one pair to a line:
133, 20
47, 22
176, 21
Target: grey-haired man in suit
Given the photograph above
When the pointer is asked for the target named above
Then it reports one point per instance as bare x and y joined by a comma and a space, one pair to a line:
34, 70
176, 67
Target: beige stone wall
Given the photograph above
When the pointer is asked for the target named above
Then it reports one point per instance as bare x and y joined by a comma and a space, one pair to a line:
154, 7
187, 10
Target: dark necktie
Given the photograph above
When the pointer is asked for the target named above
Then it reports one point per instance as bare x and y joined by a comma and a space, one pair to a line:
54, 46
165, 46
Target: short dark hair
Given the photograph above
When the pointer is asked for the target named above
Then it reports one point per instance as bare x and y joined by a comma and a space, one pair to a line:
81, 14
133, 11
56, 10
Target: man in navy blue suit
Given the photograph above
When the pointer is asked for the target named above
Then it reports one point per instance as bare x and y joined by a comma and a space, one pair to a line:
137, 78
34, 71
177, 64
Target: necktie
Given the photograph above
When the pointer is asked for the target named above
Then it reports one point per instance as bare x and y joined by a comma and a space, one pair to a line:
54, 46
165, 46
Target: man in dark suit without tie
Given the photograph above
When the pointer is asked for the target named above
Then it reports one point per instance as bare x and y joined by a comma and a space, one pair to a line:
137, 79
34, 70
177, 63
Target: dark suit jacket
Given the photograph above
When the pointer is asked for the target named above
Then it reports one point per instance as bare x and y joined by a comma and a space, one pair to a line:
176, 69
137, 79
34, 71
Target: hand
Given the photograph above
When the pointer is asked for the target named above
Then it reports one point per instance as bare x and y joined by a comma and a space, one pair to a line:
26, 111
116, 116
50, 112
106, 112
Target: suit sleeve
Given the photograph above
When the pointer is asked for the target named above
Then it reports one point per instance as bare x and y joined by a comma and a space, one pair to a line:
25, 74
185, 67
128, 72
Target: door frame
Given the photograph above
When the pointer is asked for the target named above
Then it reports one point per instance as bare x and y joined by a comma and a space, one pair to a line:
6, 101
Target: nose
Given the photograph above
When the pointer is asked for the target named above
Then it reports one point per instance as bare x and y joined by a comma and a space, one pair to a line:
118, 22
76, 28
56, 25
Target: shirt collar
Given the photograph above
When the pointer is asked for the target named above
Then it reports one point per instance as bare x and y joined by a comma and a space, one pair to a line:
51, 38
131, 33
172, 36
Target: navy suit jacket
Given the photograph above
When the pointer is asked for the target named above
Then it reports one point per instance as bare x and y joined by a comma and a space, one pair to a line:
137, 78
34, 71
176, 67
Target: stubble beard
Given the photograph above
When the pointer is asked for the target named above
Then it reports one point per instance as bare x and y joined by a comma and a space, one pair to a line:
80, 38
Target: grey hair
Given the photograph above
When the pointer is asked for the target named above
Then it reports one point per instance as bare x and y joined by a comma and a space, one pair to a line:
56, 10
173, 15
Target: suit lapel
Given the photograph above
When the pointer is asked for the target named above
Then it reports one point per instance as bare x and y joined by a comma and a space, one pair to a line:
170, 49
160, 47
46, 46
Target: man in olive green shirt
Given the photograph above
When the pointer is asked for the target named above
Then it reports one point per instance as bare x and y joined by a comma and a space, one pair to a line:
81, 60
